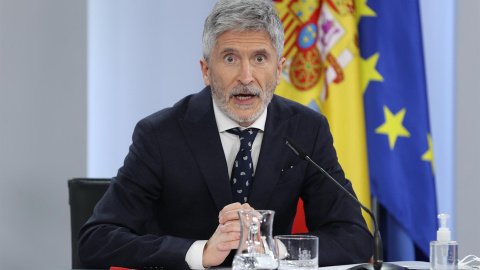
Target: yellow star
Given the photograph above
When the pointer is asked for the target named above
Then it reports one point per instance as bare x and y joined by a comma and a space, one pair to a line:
393, 126
362, 9
369, 71
428, 156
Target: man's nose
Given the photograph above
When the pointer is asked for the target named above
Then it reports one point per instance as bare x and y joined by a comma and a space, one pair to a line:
245, 76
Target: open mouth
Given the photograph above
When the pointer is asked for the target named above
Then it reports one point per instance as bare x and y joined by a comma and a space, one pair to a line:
243, 97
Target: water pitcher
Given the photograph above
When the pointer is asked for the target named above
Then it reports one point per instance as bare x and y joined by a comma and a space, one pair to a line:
256, 249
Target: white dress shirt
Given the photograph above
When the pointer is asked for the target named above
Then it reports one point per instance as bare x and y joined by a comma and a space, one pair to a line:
231, 145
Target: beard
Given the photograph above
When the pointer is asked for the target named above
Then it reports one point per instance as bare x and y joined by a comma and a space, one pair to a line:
221, 100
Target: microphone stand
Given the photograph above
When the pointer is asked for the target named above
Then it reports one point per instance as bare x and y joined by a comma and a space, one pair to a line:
377, 263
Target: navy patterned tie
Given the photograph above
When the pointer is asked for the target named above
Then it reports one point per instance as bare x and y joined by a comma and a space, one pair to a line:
242, 171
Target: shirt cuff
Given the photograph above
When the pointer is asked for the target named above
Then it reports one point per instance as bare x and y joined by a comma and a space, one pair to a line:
194, 256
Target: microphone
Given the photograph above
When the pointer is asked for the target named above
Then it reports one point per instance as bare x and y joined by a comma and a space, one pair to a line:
377, 263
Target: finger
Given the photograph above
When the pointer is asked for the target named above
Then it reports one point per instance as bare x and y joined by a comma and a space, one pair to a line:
229, 241
230, 207
229, 216
234, 215
247, 206
229, 213
226, 246
231, 237
230, 226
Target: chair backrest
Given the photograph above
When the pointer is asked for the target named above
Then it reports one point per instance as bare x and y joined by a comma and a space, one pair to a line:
84, 194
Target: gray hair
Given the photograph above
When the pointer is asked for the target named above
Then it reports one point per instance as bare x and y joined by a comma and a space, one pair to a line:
242, 15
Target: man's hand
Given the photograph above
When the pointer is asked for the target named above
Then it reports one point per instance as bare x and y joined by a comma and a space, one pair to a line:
226, 237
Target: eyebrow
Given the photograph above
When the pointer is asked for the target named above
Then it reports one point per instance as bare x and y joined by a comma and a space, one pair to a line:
262, 51
228, 50
231, 50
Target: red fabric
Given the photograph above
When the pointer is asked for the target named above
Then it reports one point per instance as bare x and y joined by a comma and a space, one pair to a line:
299, 225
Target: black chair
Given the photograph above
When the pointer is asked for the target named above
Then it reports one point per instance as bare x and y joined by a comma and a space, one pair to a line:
84, 193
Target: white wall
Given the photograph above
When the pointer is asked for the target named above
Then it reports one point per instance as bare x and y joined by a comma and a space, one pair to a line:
468, 128
441, 85
42, 128
143, 56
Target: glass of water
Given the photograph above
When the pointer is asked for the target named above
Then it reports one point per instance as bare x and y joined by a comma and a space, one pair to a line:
297, 251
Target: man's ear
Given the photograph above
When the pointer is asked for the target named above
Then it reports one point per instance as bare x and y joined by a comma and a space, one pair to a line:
279, 70
205, 73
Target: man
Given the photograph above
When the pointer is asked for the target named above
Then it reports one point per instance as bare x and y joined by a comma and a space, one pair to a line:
174, 202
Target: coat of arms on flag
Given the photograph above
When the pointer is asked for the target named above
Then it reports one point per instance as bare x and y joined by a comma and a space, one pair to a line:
322, 71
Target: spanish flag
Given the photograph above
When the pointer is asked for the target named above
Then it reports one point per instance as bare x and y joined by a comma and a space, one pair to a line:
322, 71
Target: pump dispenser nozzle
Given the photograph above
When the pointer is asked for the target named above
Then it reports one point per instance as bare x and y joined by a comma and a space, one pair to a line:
443, 233
443, 252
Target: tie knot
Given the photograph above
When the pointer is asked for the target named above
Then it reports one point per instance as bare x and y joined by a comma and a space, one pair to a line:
246, 136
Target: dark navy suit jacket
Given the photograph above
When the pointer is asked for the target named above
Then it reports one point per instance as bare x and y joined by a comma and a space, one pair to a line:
175, 181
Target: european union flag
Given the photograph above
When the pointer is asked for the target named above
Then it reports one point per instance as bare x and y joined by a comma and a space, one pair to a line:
399, 142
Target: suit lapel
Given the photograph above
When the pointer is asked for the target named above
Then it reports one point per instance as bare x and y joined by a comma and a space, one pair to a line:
201, 132
280, 122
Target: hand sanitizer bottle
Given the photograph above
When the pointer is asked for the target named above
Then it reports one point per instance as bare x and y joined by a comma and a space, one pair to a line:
443, 252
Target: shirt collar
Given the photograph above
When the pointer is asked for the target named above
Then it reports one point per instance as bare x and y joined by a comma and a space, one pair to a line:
225, 123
